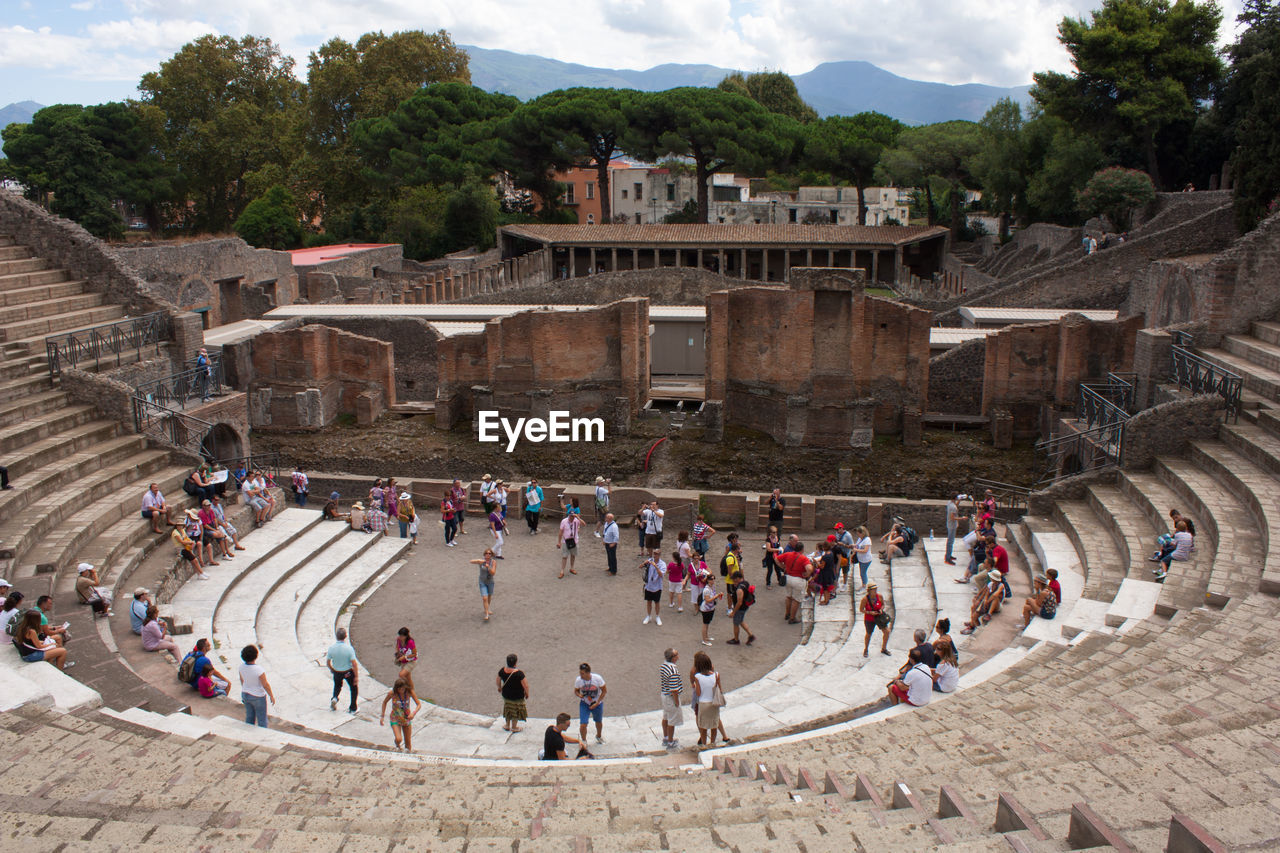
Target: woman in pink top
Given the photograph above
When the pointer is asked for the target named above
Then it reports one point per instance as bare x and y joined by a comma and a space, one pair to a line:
154, 636
675, 581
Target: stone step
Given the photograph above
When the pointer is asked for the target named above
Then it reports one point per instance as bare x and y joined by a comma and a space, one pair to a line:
1254, 491
67, 470
1267, 331
18, 388
35, 278
41, 426
1255, 443
16, 266
13, 252
27, 365
1253, 350
52, 290
1131, 531
64, 692
29, 458
1187, 582
34, 406
54, 323
1260, 380
46, 307
100, 491
1103, 564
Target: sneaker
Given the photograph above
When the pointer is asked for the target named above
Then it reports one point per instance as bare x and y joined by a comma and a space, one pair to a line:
706, 642
671, 604
673, 744
333, 704
658, 619
646, 620
680, 609
351, 710
733, 642
70, 664
597, 535
599, 739
751, 638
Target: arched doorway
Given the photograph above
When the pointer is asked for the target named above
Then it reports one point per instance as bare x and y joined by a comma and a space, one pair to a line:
222, 442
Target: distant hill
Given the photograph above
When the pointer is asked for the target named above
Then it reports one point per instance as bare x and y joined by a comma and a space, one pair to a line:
19, 112
833, 88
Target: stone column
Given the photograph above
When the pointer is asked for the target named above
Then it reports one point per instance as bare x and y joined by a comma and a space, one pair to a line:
592, 261
808, 257
742, 271
657, 258
897, 264
613, 259
635, 259
721, 259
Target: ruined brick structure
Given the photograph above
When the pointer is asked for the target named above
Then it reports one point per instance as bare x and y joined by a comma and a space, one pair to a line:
529, 363
817, 363
304, 378
1031, 366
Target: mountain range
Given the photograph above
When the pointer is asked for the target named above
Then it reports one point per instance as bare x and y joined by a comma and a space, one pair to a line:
832, 88
19, 112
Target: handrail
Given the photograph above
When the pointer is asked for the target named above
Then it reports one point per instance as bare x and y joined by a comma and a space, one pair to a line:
1200, 376
179, 429
107, 339
1006, 494
176, 389
1099, 447
1094, 406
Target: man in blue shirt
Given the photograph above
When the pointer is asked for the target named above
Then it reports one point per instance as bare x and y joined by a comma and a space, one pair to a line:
201, 654
611, 536
341, 659
532, 506
138, 609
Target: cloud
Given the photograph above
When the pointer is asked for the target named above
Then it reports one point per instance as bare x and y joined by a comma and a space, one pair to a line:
86, 6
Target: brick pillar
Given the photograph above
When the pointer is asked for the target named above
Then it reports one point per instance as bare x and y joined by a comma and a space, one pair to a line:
1153, 362
1001, 428
912, 424
188, 333
713, 421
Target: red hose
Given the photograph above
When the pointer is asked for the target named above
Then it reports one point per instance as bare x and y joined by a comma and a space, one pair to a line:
651, 449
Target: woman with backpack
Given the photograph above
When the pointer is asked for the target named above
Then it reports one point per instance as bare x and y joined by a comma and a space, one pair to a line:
874, 616
408, 517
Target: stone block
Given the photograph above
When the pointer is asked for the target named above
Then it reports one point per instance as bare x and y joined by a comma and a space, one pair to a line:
1001, 428
713, 420
310, 408
845, 476
367, 410
621, 420
912, 425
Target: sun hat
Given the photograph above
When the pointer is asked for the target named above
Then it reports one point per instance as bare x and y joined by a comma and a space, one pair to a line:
141, 591
192, 513
205, 502
599, 479
84, 567
357, 505
4, 582
996, 575
872, 585
404, 496
486, 477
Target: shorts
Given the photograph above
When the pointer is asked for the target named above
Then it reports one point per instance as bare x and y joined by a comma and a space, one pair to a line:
675, 586
1045, 614
147, 513
257, 503
34, 657
739, 615
795, 588
585, 712
188, 556
871, 626
407, 666
652, 540
207, 537
655, 595
708, 716
486, 588
707, 616
672, 713
568, 550
231, 531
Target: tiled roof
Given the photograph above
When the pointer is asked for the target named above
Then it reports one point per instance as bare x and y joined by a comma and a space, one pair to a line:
725, 235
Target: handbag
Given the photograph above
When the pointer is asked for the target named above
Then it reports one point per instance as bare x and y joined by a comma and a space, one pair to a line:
882, 621
717, 696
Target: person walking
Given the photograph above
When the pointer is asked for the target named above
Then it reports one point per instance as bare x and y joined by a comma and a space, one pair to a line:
498, 527
533, 498
675, 582
670, 683
604, 490
742, 598
488, 569
772, 548
590, 689
513, 686
567, 541
458, 496
611, 536
708, 696
300, 486
341, 660
862, 551
953, 524
702, 533
406, 657
408, 517
654, 572
399, 697
255, 690
449, 515
845, 545
874, 616
707, 598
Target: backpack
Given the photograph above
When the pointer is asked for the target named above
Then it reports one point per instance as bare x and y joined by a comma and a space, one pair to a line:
909, 540
748, 594
12, 626
187, 669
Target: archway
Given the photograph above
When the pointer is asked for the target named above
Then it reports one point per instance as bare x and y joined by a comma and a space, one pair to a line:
222, 442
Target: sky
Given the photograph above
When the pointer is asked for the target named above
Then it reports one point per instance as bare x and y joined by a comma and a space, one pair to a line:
91, 51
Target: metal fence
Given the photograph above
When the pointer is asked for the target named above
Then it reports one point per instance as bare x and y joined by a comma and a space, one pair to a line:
269, 464
172, 427
109, 339
1007, 495
176, 390
1200, 376
1076, 452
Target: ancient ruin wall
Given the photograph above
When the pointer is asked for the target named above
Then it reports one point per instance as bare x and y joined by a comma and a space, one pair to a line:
664, 286
413, 343
955, 379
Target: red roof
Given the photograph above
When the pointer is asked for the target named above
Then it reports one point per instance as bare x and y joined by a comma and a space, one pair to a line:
320, 254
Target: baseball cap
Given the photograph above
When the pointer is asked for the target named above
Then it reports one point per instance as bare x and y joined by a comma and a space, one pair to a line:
839, 526
84, 567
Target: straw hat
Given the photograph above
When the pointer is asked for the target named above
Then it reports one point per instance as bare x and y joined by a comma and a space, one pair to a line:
357, 505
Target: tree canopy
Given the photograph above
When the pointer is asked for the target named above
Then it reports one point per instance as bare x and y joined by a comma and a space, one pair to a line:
773, 90
945, 150
849, 147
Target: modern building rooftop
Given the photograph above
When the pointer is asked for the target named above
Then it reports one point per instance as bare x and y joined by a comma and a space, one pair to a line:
321, 254
728, 235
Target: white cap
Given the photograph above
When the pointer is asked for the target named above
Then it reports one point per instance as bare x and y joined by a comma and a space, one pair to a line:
84, 567
4, 582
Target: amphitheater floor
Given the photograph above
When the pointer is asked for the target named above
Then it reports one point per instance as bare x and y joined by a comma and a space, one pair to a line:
553, 625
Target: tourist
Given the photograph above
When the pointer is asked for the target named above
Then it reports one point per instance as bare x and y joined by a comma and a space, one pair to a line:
567, 542
946, 673
203, 373
406, 656
989, 506
155, 638
513, 686
375, 517
670, 684
533, 498
198, 486
449, 515
893, 542
35, 645
10, 612
203, 541
254, 688
684, 549
138, 608
187, 551
828, 569
641, 522
874, 616
300, 485
252, 497
1179, 549
708, 698
487, 485
375, 493
604, 492
331, 512
915, 686
59, 633
675, 581
976, 545
1043, 601
772, 548
1175, 517
209, 685
154, 507
927, 655
90, 591
654, 572
777, 510
702, 533
797, 568
4, 479
399, 697
844, 548
342, 663
732, 559
590, 689
986, 602
220, 519
611, 536
391, 499
459, 496
497, 527
554, 740
408, 518
653, 516
953, 524
944, 639
211, 531
488, 570
199, 656
743, 597
356, 517
500, 498
706, 599
862, 551
1000, 557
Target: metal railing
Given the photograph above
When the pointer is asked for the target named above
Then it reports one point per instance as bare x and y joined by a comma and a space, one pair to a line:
97, 342
1200, 376
1007, 495
269, 464
1076, 452
175, 390
172, 427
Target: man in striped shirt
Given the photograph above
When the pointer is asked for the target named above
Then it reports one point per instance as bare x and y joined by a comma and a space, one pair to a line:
672, 713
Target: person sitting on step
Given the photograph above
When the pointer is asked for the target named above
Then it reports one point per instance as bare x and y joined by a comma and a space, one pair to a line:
91, 592
1044, 602
209, 684
986, 602
1178, 549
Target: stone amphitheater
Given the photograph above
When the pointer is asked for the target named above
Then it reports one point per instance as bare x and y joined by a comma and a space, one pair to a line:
1144, 718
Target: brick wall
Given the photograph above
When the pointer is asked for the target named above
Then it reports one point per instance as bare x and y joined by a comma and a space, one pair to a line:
665, 286
536, 361
817, 363
1167, 429
304, 378
413, 344
955, 379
